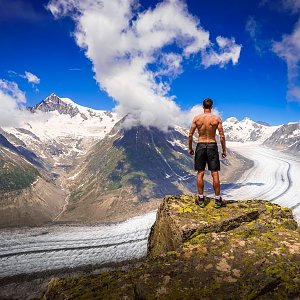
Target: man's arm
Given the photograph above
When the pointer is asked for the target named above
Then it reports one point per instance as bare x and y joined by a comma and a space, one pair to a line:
222, 138
191, 133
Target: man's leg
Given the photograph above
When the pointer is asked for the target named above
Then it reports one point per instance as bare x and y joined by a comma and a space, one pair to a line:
200, 182
216, 182
200, 186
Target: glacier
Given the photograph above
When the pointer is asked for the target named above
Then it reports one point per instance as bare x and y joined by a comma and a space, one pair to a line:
29, 250
275, 176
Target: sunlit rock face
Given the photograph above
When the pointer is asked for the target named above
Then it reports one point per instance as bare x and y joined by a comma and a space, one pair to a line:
248, 249
52, 103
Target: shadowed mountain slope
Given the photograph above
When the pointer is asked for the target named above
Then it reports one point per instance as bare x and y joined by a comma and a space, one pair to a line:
128, 171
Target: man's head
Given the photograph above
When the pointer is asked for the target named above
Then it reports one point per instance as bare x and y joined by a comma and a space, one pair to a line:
207, 103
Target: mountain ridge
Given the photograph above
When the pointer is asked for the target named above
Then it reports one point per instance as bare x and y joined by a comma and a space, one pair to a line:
246, 130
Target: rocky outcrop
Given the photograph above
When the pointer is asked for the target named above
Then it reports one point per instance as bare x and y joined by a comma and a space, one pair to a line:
247, 250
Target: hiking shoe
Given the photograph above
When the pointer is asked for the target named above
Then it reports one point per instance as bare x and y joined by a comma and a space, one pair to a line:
200, 202
219, 203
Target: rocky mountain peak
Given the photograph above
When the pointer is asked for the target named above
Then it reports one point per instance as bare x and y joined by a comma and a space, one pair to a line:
53, 98
246, 130
54, 103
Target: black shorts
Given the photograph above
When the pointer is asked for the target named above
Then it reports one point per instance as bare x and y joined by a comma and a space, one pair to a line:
207, 153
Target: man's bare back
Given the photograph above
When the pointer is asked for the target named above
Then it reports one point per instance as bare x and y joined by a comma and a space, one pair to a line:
207, 125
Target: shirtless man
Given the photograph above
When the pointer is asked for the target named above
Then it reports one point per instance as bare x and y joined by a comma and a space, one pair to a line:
207, 150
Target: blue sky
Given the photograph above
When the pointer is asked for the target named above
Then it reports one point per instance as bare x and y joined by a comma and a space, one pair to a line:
257, 86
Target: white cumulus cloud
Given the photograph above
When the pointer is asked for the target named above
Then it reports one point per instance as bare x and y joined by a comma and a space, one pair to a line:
11, 90
11, 97
12, 110
31, 78
229, 51
135, 54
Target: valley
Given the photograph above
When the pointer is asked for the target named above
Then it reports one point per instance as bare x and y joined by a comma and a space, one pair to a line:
69, 163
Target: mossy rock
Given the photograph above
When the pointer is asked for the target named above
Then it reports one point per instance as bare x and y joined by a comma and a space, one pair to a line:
246, 250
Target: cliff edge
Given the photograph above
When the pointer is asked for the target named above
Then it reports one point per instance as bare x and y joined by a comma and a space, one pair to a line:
247, 250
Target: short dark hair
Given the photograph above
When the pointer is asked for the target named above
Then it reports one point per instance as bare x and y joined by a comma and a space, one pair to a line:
207, 103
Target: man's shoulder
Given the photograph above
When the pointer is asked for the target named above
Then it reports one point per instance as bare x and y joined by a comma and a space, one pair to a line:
216, 117
196, 118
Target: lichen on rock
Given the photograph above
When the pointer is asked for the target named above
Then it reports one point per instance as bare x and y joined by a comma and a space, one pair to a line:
246, 250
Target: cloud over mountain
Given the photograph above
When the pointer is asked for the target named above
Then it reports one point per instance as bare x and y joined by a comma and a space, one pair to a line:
136, 53
12, 100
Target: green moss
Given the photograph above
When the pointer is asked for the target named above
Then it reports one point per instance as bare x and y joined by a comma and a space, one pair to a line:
186, 244
185, 209
284, 208
185, 198
283, 270
199, 239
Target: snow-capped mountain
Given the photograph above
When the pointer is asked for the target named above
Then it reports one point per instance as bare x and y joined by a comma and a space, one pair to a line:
62, 117
246, 130
50, 143
100, 169
283, 137
286, 137
62, 105
61, 129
